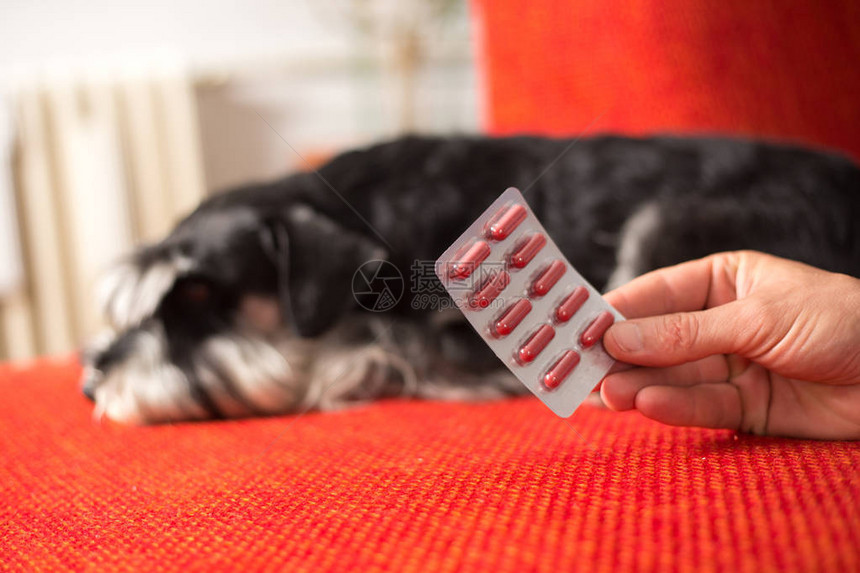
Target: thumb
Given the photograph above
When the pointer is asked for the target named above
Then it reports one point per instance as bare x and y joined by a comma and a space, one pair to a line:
672, 339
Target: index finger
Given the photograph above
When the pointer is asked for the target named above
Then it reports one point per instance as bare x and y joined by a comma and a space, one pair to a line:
685, 287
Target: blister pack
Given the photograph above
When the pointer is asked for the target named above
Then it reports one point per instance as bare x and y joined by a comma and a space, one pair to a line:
536, 312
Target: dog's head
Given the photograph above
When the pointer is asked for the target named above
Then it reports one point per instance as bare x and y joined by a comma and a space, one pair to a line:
219, 318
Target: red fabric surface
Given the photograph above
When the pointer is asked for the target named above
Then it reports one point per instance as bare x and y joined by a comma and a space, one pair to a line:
783, 69
411, 486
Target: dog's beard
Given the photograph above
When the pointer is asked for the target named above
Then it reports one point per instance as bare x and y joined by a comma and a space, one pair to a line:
246, 372
226, 375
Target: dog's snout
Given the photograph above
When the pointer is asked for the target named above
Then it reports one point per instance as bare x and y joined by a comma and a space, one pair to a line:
89, 382
89, 391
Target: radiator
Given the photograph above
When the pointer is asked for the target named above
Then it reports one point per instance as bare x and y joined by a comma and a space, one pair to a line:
100, 162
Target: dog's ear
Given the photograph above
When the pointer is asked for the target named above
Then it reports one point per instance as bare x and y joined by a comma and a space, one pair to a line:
316, 259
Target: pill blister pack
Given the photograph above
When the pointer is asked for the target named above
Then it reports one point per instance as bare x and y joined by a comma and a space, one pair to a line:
536, 312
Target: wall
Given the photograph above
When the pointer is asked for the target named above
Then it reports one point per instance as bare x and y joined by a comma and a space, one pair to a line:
305, 66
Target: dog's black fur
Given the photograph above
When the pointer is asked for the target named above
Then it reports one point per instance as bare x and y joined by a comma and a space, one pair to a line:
301, 239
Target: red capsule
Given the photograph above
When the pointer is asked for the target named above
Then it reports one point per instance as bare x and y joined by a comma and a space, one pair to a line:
512, 317
596, 329
527, 250
561, 370
571, 304
535, 344
504, 222
490, 290
467, 260
548, 278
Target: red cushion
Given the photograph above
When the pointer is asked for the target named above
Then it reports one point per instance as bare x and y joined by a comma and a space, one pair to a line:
787, 70
407, 486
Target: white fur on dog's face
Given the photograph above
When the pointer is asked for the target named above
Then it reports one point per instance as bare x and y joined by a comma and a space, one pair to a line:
241, 373
145, 387
128, 294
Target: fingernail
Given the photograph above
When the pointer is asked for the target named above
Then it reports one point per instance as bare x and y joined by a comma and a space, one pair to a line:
627, 336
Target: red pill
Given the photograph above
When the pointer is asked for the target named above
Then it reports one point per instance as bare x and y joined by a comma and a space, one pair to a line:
596, 329
548, 278
467, 260
512, 317
571, 303
561, 370
527, 250
490, 290
504, 222
535, 344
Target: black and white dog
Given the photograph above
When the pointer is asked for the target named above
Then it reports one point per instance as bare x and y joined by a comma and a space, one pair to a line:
247, 308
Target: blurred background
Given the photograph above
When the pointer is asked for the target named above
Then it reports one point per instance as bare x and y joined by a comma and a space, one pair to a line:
116, 119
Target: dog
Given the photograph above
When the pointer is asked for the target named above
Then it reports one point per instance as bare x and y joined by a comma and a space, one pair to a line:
247, 307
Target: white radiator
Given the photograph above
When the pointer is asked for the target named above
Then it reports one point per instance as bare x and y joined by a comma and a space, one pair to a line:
101, 162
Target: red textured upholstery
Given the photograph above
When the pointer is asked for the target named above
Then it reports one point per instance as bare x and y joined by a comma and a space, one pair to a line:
411, 486
783, 69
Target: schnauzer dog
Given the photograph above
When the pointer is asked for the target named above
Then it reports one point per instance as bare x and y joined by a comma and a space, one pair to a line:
247, 307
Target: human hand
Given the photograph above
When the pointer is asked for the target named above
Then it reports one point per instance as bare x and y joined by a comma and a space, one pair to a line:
740, 340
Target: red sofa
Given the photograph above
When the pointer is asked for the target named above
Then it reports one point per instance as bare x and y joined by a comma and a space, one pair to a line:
505, 486
770, 68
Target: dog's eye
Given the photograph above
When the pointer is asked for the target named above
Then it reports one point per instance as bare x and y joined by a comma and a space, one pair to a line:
195, 292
